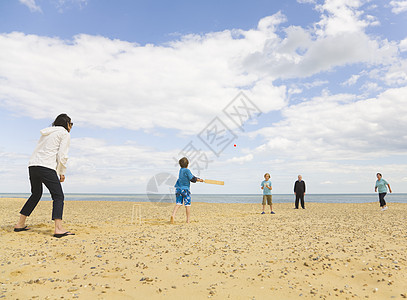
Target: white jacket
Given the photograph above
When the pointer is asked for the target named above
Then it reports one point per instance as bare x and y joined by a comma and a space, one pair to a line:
52, 149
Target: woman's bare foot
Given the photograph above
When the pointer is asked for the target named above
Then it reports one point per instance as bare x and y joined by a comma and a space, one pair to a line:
21, 222
59, 229
19, 226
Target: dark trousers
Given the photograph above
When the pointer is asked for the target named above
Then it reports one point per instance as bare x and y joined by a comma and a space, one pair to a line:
381, 199
299, 196
48, 177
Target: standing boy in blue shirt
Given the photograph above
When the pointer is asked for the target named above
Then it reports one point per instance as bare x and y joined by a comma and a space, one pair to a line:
381, 185
266, 187
182, 192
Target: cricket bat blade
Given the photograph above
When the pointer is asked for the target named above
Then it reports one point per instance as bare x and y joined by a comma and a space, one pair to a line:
210, 181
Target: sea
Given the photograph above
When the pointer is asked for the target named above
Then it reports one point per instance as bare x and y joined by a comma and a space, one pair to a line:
223, 198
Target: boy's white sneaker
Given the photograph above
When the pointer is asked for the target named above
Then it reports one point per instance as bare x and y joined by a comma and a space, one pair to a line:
385, 208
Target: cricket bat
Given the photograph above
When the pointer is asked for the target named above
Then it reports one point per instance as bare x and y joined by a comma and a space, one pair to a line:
214, 182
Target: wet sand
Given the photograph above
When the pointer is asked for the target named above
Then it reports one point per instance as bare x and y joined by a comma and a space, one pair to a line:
228, 251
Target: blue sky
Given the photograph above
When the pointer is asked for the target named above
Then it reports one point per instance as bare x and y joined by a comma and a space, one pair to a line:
142, 79
142, 21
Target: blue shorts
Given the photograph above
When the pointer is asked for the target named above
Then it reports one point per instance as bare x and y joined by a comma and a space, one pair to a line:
183, 197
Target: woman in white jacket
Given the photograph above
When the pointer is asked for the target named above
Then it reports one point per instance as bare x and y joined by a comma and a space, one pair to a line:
47, 163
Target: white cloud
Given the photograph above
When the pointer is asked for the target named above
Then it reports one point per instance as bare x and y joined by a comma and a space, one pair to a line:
338, 39
372, 7
333, 127
133, 86
77, 2
294, 91
397, 73
182, 85
94, 162
398, 7
316, 83
267, 96
403, 45
9, 160
13, 170
142, 87
352, 80
63, 5
31, 5
373, 21
341, 16
241, 159
269, 24
371, 87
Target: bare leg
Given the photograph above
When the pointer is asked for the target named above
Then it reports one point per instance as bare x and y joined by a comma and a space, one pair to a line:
58, 227
264, 207
176, 207
188, 212
21, 222
271, 207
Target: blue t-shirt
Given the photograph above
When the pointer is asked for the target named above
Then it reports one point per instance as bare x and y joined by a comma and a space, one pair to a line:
184, 179
381, 185
266, 191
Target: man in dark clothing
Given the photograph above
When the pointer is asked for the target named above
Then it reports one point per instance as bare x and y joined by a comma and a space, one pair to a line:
299, 191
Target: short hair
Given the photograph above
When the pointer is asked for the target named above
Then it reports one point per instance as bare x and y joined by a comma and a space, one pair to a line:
267, 174
379, 174
62, 120
183, 162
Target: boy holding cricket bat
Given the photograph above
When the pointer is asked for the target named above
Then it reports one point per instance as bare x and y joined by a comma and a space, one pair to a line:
182, 192
266, 187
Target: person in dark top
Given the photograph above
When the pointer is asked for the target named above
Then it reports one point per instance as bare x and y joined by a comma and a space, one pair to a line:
299, 191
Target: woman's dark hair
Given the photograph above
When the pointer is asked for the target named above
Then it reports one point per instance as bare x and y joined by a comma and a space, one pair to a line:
62, 120
183, 162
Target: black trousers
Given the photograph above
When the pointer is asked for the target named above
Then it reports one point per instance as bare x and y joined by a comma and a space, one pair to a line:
299, 196
48, 177
381, 199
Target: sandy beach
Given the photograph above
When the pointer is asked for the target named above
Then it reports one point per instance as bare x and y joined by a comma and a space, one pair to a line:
228, 251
